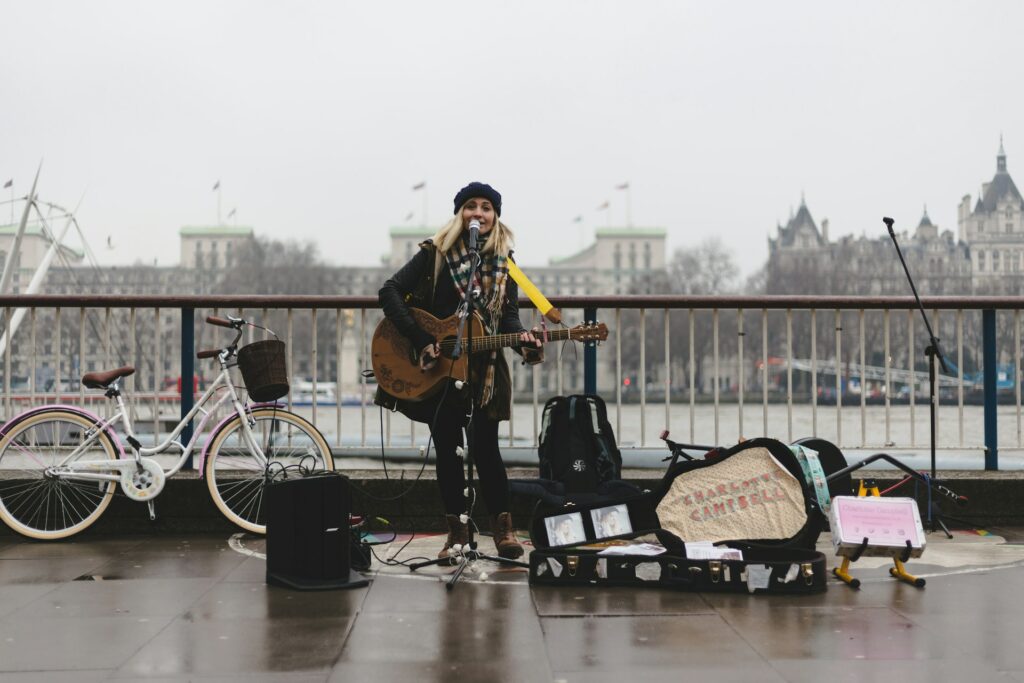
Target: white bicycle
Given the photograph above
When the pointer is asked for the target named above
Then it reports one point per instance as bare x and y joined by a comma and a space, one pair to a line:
60, 465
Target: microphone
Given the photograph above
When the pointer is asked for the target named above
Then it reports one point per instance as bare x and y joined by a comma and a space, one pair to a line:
888, 223
474, 234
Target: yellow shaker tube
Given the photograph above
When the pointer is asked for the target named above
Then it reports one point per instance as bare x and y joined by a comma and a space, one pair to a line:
531, 291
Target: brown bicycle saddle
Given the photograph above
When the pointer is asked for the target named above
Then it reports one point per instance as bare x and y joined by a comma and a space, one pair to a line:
100, 380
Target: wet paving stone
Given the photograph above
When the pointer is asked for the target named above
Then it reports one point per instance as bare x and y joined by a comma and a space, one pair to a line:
57, 676
14, 597
198, 609
30, 644
260, 601
190, 647
622, 601
141, 598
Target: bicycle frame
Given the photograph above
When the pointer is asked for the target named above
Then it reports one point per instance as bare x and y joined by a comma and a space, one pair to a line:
92, 469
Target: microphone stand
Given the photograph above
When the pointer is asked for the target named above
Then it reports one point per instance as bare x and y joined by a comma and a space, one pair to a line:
469, 552
933, 353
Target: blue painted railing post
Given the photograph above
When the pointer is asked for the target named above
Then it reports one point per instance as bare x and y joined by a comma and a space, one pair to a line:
988, 349
188, 371
590, 356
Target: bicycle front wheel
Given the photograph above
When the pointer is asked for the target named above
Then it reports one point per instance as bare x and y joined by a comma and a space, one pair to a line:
35, 500
237, 477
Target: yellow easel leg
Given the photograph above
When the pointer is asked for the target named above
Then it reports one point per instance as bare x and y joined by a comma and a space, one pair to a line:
843, 574
900, 572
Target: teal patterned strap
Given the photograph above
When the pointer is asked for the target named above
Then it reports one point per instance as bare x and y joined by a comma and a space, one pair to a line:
814, 474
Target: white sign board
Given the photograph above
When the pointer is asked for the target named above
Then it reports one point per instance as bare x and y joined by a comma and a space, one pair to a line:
886, 523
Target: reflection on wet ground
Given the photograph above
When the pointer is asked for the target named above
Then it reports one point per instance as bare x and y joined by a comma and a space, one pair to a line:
197, 608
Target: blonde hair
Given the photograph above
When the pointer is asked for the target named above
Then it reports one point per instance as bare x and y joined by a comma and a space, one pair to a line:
499, 240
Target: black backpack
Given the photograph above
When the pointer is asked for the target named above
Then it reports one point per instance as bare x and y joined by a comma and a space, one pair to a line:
577, 446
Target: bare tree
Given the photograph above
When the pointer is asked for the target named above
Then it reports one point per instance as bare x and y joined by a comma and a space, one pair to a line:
268, 266
705, 269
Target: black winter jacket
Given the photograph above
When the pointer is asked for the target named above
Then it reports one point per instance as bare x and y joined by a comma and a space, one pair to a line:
413, 286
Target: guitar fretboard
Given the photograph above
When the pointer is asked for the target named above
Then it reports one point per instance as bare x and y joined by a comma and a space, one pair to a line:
500, 341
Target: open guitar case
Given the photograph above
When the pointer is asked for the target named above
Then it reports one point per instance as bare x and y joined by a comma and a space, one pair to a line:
752, 497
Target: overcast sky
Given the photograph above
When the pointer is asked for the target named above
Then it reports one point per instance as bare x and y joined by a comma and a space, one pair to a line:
318, 118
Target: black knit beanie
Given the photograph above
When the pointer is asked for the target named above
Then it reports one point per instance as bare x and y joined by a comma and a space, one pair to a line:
478, 190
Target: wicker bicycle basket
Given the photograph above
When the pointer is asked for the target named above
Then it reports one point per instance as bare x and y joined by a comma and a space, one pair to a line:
263, 369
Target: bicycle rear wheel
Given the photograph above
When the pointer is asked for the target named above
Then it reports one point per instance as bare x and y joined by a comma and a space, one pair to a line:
43, 506
235, 476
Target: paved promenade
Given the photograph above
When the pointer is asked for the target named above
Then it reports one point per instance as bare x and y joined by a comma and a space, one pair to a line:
197, 608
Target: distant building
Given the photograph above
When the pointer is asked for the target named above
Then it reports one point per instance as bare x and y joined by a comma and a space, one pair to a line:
938, 263
620, 261
995, 231
802, 260
405, 242
215, 246
35, 242
800, 246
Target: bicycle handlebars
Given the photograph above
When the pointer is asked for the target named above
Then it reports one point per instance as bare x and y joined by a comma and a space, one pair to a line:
231, 323
221, 322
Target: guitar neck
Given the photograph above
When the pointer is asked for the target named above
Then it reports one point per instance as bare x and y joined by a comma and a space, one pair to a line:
500, 341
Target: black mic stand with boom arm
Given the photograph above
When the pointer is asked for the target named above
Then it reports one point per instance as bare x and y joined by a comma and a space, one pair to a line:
933, 353
469, 552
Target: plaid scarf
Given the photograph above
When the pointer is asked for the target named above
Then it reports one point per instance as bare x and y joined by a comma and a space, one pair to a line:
490, 278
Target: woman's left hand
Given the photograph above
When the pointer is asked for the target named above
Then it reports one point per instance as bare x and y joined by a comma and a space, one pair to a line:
531, 346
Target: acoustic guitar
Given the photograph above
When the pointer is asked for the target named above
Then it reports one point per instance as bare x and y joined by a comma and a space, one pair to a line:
396, 362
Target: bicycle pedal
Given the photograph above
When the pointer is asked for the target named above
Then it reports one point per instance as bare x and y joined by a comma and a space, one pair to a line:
152, 510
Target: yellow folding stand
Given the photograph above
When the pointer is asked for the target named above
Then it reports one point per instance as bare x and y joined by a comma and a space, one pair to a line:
898, 572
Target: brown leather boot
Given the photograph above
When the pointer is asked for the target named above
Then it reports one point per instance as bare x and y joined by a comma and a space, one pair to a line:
458, 534
504, 536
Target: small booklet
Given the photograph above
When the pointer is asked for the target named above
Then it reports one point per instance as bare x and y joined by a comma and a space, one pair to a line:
706, 550
634, 549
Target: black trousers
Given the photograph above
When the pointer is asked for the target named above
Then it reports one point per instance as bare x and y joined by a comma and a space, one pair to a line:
451, 474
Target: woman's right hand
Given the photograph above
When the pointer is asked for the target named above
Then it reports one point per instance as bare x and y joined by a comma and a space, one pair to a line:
429, 356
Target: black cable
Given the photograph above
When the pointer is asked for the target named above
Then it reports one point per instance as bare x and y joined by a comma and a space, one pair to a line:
426, 452
392, 561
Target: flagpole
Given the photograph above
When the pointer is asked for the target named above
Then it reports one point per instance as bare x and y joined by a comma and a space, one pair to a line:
422, 187
606, 207
219, 221
629, 205
629, 209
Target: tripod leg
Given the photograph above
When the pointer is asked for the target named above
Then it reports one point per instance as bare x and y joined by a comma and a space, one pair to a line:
466, 559
936, 521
